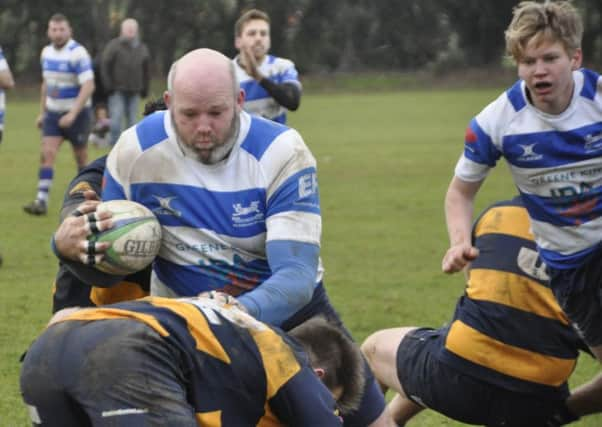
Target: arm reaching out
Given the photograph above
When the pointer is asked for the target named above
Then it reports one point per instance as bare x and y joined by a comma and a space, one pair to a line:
458, 214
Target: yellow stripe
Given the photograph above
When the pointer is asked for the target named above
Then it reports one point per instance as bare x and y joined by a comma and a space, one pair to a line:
122, 291
497, 220
278, 359
80, 187
115, 313
197, 326
472, 345
515, 291
209, 419
269, 419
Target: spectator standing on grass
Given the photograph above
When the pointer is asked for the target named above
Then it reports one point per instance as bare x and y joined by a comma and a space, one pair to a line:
506, 356
237, 198
125, 73
187, 362
6, 82
548, 127
271, 84
65, 113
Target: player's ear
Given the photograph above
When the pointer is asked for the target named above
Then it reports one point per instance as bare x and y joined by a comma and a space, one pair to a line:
576, 59
167, 98
320, 372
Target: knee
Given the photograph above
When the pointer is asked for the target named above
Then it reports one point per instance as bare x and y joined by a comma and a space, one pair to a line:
369, 348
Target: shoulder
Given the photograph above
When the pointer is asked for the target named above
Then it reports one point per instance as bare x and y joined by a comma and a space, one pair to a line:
280, 62
151, 130
503, 110
77, 50
590, 83
268, 138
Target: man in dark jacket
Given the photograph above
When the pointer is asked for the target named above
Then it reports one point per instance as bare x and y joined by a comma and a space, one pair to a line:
125, 75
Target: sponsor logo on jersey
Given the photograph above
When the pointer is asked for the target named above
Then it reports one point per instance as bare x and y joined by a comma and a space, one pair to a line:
593, 143
245, 216
308, 185
165, 208
529, 154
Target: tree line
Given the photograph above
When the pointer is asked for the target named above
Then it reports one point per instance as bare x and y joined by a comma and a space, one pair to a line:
319, 35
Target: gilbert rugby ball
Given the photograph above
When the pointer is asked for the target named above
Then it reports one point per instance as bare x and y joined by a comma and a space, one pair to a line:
135, 237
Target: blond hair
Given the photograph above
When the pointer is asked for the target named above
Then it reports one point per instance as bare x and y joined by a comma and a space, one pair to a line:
539, 22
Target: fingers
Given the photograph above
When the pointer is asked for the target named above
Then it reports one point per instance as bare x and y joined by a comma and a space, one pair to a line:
96, 222
458, 257
91, 195
92, 252
73, 235
223, 298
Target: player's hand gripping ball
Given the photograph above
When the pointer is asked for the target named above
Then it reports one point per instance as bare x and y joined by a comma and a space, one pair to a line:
135, 237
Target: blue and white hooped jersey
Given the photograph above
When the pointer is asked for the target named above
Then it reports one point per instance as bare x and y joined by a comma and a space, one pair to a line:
3, 67
257, 100
216, 219
556, 163
64, 71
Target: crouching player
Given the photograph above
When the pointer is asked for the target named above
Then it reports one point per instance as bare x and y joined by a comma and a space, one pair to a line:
187, 362
506, 356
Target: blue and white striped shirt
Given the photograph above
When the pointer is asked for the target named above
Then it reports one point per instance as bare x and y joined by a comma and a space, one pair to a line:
217, 220
257, 100
64, 71
556, 163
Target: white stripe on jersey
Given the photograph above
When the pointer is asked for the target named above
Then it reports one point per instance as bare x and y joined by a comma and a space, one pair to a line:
65, 69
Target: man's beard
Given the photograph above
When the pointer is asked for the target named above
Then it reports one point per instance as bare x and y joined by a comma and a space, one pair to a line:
219, 151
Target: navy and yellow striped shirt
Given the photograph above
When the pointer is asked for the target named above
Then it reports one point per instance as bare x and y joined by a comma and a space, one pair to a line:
508, 328
238, 371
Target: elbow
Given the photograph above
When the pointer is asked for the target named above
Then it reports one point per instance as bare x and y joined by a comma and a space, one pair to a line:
294, 104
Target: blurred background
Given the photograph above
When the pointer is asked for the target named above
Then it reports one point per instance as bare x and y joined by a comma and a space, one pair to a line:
321, 37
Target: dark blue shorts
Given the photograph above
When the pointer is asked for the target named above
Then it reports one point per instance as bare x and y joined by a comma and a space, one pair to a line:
579, 294
435, 385
144, 386
373, 400
77, 133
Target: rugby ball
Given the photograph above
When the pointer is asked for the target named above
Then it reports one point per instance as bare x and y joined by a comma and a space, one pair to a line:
135, 237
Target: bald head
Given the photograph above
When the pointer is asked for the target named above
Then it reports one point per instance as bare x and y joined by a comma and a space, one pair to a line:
202, 67
129, 28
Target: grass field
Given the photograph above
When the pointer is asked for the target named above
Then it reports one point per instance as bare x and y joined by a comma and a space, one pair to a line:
384, 162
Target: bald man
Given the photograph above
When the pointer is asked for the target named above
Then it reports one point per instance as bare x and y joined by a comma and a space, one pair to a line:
125, 75
237, 198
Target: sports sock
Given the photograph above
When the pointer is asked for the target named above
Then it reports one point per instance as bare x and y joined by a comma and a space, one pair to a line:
44, 183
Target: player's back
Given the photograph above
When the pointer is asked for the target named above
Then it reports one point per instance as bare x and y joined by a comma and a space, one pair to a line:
508, 328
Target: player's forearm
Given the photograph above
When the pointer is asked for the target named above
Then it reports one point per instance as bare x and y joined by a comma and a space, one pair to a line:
6, 80
85, 92
43, 97
459, 205
291, 286
587, 398
286, 94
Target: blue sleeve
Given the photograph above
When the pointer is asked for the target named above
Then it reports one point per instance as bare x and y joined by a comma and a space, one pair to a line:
111, 189
294, 268
305, 401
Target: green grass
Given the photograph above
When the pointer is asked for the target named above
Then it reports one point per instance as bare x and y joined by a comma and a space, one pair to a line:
384, 162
